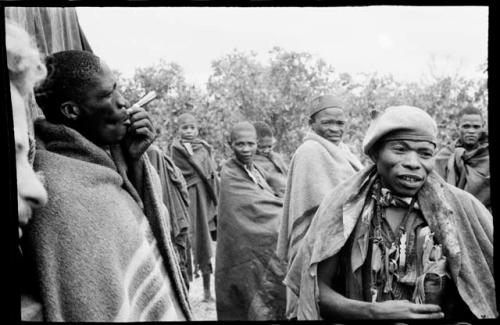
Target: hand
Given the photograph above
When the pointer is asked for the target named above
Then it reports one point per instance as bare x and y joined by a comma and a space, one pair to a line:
403, 309
140, 134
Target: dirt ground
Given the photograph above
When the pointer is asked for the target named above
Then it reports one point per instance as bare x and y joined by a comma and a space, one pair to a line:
202, 310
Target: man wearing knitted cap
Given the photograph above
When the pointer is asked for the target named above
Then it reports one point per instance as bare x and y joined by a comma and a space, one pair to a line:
395, 241
317, 166
248, 274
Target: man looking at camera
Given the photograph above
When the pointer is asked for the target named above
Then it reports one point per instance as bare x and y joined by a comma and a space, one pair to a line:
101, 247
466, 164
317, 166
395, 241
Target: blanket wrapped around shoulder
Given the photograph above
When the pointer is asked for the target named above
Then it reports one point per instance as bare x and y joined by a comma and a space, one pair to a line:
459, 221
316, 167
276, 170
200, 174
83, 243
467, 170
176, 199
248, 274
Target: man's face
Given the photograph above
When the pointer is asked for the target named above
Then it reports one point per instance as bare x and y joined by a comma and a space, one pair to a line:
30, 191
403, 165
470, 128
265, 145
188, 130
244, 145
329, 124
103, 118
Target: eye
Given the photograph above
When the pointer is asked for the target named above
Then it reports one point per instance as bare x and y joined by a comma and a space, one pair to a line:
398, 148
426, 154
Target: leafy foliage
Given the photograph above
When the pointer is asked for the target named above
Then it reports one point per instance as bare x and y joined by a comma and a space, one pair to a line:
242, 87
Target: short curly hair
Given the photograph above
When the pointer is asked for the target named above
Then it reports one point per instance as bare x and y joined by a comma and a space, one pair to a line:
70, 73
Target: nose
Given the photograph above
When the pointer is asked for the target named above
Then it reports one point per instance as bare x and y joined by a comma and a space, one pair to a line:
121, 101
29, 187
411, 161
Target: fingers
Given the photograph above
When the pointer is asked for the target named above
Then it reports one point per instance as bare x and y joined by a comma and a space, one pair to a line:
425, 308
426, 311
438, 315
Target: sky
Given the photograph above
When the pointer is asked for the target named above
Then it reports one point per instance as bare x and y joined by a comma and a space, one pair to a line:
398, 40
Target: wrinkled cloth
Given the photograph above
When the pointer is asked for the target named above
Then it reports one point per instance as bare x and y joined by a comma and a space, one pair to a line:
199, 171
316, 167
467, 170
276, 171
176, 200
248, 274
86, 244
459, 222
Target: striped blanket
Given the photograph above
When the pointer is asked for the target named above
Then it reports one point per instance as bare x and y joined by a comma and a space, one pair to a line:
101, 247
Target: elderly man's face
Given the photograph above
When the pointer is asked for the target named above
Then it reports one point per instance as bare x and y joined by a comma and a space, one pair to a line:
329, 124
470, 128
403, 165
30, 192
244, 145
103, 118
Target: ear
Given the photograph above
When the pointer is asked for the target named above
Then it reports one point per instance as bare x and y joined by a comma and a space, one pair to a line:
70, 110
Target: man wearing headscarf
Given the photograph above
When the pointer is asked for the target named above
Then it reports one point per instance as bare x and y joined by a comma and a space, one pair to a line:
317, 166
466, 163
395, 241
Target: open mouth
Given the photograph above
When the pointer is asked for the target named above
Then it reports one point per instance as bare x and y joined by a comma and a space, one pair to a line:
411, 179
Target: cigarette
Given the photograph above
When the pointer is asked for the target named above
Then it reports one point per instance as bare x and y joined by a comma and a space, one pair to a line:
146, 99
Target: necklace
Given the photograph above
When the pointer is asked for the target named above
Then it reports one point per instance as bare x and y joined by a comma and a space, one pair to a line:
388, 260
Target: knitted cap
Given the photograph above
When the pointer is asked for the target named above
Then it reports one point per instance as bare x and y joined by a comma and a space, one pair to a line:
326, 101
403, 123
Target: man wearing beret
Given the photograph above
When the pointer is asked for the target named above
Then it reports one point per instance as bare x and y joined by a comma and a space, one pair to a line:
317, 166
396, 241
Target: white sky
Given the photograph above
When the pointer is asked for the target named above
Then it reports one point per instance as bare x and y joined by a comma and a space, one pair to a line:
386, 39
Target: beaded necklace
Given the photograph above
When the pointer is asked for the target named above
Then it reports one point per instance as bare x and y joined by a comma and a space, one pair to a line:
381, 252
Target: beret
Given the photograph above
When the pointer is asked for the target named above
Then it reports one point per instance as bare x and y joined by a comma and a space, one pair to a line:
401, 122
326, 101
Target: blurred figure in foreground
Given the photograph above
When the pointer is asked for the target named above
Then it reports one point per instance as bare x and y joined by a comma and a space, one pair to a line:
25, 70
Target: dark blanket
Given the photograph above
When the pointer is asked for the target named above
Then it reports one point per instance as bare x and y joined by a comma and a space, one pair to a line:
468, 170
176, 199
276, 170
83, 242
459, 221
248, 273
199, 172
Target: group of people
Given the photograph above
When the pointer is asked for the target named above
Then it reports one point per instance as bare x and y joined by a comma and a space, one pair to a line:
113, 228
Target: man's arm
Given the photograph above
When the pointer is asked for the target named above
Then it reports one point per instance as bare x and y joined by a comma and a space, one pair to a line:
335, 306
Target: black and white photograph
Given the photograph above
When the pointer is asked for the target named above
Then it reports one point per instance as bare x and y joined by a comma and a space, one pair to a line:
248, 163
